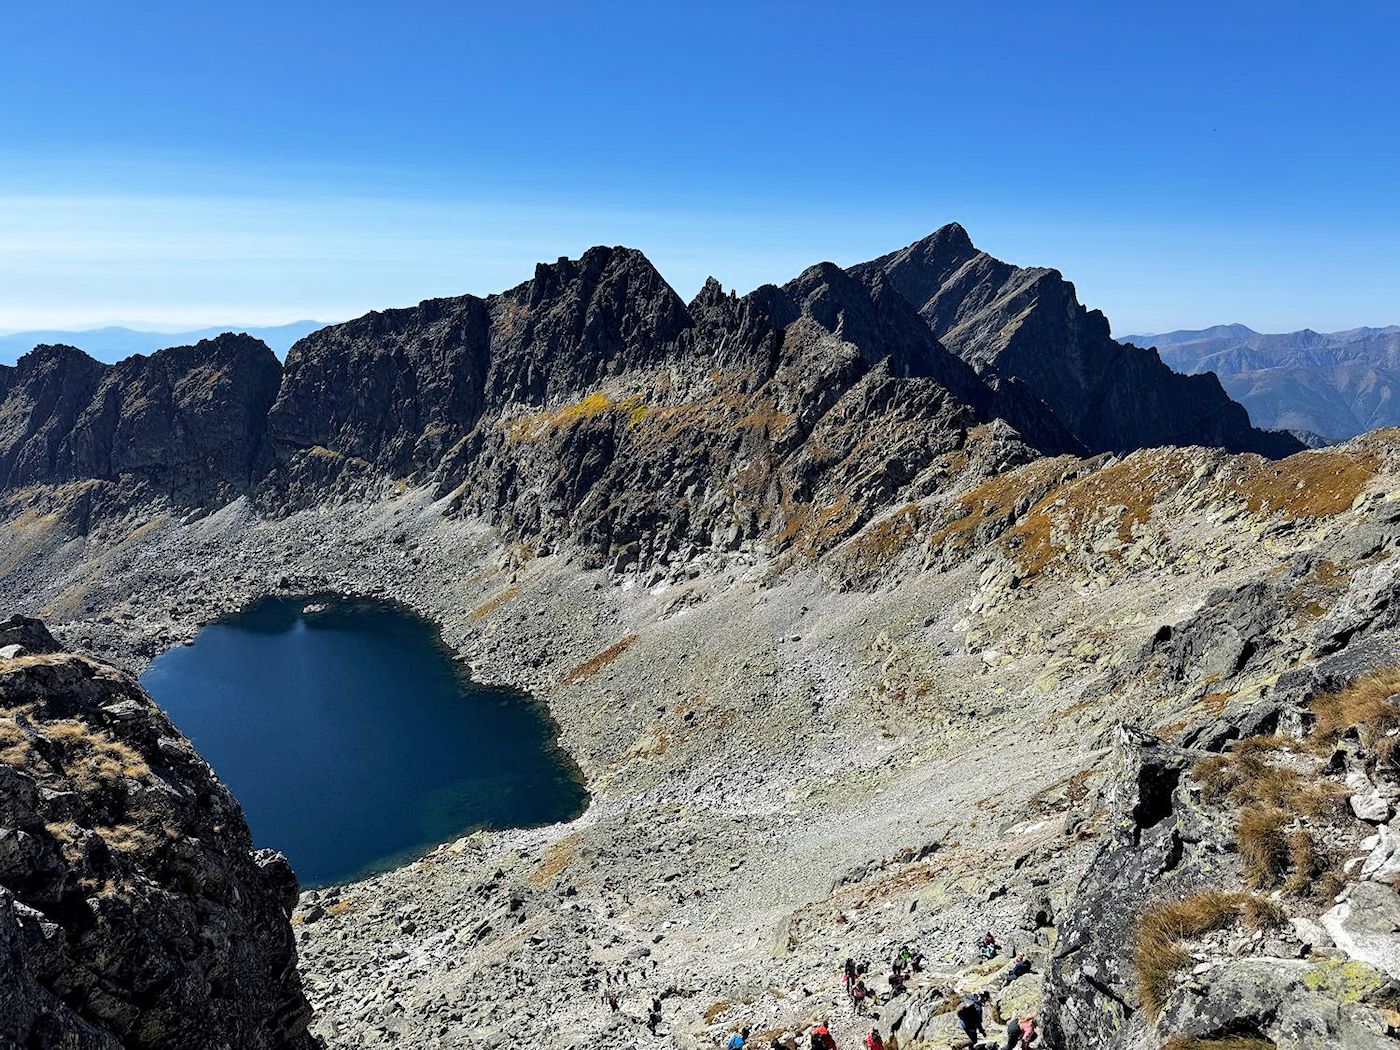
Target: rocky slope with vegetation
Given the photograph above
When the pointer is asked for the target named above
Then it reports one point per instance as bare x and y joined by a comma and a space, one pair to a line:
133, 909
857, 649
554, 409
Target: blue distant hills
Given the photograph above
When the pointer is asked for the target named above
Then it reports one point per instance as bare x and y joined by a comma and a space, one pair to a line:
114, 343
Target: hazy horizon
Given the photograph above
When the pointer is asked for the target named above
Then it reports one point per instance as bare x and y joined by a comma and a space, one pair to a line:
325, 167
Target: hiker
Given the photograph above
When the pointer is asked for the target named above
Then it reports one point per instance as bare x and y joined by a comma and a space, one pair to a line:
821, 1037
1028, 1032
859, 993
897, 982
1013, 1034
1019, 967
654, 1017
988, 946
849, 978
970, 1015
738, 1040
873, 1040
611, 999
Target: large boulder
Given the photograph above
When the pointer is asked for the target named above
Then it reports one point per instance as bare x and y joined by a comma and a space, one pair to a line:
1294, 1004
1366, 925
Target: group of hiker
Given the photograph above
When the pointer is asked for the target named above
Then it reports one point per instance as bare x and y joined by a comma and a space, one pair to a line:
1021, 1033
905, 961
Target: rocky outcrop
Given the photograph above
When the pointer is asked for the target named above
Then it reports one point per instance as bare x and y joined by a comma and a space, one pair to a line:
1026, 323
1184, 926
833, 402
185, 423
134, 911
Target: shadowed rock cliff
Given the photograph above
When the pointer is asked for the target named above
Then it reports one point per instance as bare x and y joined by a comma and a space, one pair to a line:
187, 423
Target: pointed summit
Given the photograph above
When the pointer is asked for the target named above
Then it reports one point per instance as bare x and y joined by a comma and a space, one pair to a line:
952, 238
1026, 323
919, 269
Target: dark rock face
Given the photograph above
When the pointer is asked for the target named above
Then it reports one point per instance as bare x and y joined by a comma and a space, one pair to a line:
790, 415
186, 423
400, 388
133, 909
1027, 324
41, 399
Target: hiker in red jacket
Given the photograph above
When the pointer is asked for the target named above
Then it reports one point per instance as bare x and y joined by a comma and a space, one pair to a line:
873, 1040
821, 1037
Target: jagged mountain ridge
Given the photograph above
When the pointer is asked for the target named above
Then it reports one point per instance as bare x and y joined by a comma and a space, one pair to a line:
556, 409
1027, 323
187, 422
1336, 384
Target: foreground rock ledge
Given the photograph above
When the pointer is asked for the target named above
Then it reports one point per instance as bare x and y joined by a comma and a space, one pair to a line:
134, 911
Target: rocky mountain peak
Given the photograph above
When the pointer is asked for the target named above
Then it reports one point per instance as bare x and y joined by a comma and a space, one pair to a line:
1027, 323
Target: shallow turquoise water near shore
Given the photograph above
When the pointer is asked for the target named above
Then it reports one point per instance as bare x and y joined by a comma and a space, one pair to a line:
352, 739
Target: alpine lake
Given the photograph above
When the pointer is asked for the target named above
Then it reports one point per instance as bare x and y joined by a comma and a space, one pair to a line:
353, 740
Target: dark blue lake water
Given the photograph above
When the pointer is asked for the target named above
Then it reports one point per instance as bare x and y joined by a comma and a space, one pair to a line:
353, 740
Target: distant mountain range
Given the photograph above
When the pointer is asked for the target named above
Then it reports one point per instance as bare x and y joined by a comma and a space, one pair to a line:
113, 343
1333, 384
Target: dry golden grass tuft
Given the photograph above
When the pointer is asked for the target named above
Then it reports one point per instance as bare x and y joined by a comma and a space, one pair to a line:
1158, 953
16, 749
1367, 705
91, 757
1269, 797
1246, 777
1316, 874
127, 838
594, 664
1263, 843
630, 409
1231, 1042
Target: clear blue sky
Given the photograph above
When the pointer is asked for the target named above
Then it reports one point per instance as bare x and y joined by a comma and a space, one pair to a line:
1183, 163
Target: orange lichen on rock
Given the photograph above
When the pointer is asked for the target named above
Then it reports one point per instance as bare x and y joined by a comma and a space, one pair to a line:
1126, 491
